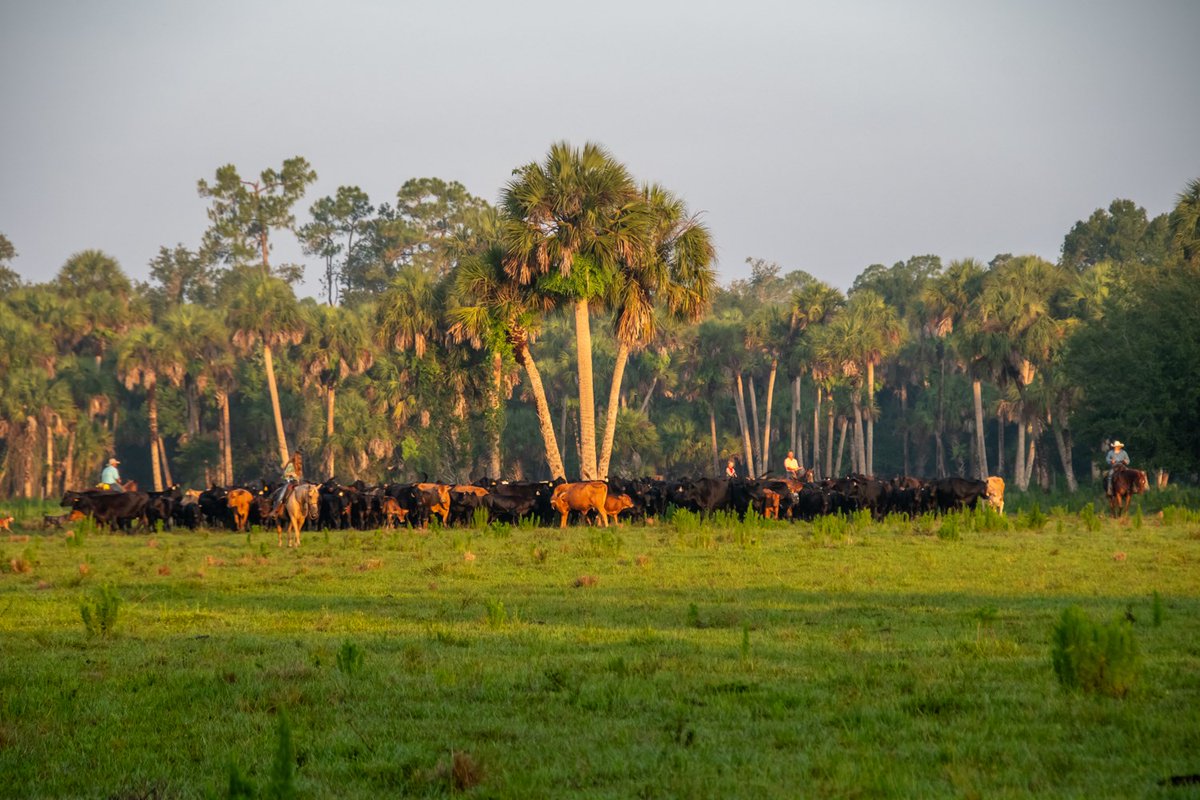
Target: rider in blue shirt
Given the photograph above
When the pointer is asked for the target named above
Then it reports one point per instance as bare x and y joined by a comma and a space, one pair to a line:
1116, 458
110, 476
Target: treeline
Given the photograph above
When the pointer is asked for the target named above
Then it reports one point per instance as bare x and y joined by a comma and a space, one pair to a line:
576, 328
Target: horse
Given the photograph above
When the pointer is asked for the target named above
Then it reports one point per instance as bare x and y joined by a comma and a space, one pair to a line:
300, 506
1126, 482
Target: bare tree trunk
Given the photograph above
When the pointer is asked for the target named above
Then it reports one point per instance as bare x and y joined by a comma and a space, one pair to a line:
152, 413
645, 406
226, 438
904, 427
545, 421
980, 446
757, 468
712, 424
793, 444
614, 396
765, 456
843, 423
28, 444
280, 437
740, 403
588, 470
1027, 474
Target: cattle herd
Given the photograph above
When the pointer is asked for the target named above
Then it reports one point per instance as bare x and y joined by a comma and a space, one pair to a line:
331, 505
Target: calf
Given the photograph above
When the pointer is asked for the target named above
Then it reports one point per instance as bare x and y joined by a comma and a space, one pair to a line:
995, 493
614, 504
239, 501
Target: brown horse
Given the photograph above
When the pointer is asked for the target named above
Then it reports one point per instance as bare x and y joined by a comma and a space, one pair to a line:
1126, 483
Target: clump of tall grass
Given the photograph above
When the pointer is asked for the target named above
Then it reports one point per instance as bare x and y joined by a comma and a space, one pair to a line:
1094, 658
100, 614
1031, 520
350, 659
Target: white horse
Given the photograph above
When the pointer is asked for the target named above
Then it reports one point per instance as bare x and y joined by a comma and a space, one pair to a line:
300, 505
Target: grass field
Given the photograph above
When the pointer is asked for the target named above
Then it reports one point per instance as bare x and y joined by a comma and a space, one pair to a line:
842, 659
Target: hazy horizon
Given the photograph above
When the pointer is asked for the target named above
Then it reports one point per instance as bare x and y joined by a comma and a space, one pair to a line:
821, 136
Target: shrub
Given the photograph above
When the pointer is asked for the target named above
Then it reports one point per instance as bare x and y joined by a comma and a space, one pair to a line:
1097, 659
1089, 518
497, 616
949, 528
1032, 519
100, 615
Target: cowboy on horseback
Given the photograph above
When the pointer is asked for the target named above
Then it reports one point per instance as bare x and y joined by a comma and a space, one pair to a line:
1116, 459
292, 474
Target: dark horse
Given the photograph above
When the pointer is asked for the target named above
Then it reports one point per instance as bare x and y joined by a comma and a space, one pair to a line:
1126, 483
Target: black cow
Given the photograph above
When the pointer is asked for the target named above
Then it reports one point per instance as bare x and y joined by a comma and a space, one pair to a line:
114, 509
957, 493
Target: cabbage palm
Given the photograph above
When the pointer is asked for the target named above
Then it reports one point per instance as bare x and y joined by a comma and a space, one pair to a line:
263, 310
336, 345
675, 272
493, 310
144, 356
574, 215
1184, 224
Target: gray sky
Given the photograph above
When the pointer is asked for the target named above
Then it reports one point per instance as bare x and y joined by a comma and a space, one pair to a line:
822, 135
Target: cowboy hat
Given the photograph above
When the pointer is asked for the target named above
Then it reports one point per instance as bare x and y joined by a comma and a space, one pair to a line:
1118, 444
113, 461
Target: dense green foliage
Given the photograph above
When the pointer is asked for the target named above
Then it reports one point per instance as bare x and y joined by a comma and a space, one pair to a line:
458, 339
839, 659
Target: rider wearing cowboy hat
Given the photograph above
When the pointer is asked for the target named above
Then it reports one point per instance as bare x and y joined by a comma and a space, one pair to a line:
110, 477
1116, 459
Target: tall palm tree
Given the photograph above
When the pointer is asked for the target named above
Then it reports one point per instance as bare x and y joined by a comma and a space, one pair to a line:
576, 214
877, 334
262, 310
1184, 224
495, 310
335, 346
674, 272
144, 356
814, 305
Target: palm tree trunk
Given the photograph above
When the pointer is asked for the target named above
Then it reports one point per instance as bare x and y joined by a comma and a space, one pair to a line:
765, 455
981, 447
904, 427
545, 421
69, 464
793, 443
280, 438
1019, 467
645, 406
858, 444
939, 430
712, 424
869, 412
166, 467
816, 439
587, 398
330, 400
494, 465
27, 448
1064, 455
1030, 457
999, 443
48, 484
152, 414
843, 423
756, 468
740, 399
829, 442
614, 396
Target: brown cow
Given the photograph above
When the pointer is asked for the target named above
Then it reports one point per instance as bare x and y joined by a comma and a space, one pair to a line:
770, 504
995, 493
436, 497
393, 512
583, 497
5, 521
614, 504
239, 501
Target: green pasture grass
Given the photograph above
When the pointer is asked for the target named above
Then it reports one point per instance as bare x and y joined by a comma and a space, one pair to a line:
844, 658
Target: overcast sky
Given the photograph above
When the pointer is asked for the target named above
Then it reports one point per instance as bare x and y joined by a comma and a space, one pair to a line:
825, 136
